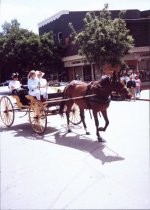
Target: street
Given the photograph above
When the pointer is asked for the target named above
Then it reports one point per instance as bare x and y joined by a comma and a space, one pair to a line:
60, 170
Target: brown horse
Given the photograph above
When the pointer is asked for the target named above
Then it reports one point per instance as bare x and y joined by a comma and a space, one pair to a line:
98, 103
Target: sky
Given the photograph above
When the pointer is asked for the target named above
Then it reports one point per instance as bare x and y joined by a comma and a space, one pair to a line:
31, 12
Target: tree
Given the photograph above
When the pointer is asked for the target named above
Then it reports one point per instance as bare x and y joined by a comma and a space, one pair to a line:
103, 40
48, 55
22, 50
8, 27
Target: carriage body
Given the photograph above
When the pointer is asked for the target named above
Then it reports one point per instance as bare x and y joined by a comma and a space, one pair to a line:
37, 111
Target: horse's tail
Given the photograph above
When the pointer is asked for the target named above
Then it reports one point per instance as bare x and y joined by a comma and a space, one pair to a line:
62, 104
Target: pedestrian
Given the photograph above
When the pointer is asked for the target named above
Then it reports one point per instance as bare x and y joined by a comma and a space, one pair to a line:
138, 86
77, 77
133, 74
131, 85
125, 78
43, 85
33, 85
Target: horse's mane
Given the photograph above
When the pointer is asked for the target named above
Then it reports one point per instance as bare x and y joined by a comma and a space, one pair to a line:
76, 82
101, 88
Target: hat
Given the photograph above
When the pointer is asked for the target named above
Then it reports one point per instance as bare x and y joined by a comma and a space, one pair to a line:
40, 73
14, 75
31, 73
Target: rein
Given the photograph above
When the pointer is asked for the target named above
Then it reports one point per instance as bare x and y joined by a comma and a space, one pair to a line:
99, 100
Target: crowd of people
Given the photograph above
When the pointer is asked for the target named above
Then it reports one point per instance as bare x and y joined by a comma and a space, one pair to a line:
133, 83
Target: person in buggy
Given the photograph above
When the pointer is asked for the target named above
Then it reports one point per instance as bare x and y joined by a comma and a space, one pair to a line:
43, 85
14, 84
37, 85
33, 85
17, 90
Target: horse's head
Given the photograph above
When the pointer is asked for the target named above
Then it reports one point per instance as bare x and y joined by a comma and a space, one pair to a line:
106, 85
119, 87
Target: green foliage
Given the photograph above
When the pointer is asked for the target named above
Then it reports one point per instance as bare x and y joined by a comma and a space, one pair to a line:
103, 40
22, 50
9, 27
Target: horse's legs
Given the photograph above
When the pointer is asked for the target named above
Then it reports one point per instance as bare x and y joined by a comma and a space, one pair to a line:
69, 106
83, 120
104, 113
68, 126
67, 115
97, 125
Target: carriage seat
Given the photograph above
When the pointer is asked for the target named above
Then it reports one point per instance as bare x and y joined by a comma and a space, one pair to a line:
31, 98
21, 100
19, 103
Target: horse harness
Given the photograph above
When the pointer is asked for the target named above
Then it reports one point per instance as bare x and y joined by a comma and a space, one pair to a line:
98, 99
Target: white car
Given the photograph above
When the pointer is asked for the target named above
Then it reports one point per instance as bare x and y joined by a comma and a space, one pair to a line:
4, 90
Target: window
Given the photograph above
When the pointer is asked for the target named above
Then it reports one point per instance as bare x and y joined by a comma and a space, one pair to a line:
60, 37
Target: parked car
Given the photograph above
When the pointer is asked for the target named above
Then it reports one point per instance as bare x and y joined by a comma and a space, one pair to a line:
57, 87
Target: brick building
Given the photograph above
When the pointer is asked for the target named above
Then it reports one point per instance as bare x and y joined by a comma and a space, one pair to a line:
138, 22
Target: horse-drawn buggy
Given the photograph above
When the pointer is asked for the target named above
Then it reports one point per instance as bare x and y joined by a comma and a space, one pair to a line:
76, 97
37, 111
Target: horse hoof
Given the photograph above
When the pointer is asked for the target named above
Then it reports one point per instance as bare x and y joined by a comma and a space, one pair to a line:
101, 129
87, 133
69, 131
100, 139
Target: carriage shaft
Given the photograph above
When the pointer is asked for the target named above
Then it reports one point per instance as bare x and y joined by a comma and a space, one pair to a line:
67, 99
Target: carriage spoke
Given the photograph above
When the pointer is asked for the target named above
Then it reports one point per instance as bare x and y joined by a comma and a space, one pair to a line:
74, 116
38, 118
6, 111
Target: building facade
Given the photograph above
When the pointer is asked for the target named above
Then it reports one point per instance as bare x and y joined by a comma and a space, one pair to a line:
138, 22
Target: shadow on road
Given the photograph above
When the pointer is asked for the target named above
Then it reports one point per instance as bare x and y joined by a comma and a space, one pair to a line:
85, 144
80, 142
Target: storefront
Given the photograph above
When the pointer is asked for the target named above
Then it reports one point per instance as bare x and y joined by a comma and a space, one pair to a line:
139, 60
77, 67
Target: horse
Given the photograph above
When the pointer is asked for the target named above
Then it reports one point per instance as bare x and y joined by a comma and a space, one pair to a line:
99, 102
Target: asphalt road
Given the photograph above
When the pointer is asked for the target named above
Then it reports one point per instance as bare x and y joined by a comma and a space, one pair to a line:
61, 170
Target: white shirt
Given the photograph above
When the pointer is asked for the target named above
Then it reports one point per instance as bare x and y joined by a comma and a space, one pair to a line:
43, 85
33, 86
14, 84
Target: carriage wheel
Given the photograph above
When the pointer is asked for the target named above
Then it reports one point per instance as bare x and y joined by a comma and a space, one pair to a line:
7, 113
37, 117
74, 116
